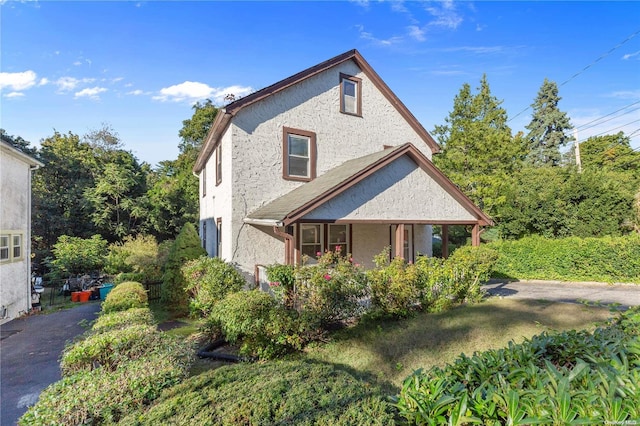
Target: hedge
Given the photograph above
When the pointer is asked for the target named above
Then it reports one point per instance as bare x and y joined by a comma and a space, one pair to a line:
125, 296
606, 259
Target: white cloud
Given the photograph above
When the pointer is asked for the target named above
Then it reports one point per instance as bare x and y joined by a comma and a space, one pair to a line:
631, 55
67, 84
43, 81
18, 81
626, 94
137, 92
14, 95
77, 63
193, 91
365, 35
90, 92
445, 14
416, 32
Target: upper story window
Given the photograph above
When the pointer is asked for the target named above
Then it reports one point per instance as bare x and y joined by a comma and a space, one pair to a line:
299, 154
350, 95
204, 181
218, 164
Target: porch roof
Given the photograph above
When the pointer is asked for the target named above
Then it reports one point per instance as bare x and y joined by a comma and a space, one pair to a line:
296, 204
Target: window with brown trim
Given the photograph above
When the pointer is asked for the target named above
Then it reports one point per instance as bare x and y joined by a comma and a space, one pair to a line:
218, 164
299, 154
314, 238
350, 95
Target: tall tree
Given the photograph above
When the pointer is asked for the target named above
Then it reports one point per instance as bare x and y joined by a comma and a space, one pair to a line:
173, 190
549, 127
478, 150
18, 142
610, 152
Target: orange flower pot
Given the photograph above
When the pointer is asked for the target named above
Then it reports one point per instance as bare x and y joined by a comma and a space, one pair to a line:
84, 296
75, 296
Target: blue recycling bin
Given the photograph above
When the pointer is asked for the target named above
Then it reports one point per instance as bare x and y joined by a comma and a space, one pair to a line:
104, 290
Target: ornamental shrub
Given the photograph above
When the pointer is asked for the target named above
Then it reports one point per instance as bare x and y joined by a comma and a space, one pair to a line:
112, 348
264, 327
123, 319
275, 393
282, 282
208, 281
125, 296
331, 291
395, 287
141, 256
186, 247
100, 396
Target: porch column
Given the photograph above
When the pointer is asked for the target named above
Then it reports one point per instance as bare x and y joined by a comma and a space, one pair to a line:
399, 249
445, 241
289, 243
475, 235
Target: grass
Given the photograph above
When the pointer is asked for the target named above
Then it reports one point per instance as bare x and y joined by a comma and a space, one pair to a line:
391, 350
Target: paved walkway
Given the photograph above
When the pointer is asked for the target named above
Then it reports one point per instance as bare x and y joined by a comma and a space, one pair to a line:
29, 355
624, 294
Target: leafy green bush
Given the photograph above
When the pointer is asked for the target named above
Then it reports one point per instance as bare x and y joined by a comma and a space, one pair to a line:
282, 393
282, 282
141, 256
565, 378
103, 397
330, 291
608, 259
265, 327
395, 287
74, 255
186, 247
112, 348
125, 296
209, 280
122, 319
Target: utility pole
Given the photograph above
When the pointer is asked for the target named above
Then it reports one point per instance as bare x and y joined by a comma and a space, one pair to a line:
577, 150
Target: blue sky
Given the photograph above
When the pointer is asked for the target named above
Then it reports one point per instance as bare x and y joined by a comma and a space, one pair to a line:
140, 66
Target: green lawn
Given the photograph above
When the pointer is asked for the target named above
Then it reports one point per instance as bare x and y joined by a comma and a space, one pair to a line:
391, 350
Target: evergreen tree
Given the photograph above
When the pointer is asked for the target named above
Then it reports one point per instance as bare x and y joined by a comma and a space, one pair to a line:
548, 129
186, 247
478, 150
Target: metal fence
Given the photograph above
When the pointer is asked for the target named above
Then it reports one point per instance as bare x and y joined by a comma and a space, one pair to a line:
153, 291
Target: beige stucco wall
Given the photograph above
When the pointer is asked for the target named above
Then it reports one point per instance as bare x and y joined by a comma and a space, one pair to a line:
386, 194
15, 200
252, 154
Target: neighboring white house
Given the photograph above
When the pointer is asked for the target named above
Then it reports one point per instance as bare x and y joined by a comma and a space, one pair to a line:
15, 231
329, 156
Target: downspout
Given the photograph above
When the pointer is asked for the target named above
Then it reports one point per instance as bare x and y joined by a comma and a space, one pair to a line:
288, 245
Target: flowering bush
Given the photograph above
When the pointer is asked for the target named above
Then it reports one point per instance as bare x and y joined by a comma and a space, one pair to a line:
282, 283
331, 290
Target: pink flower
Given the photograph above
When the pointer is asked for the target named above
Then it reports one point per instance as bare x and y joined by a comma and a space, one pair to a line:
357, 265
338, 249
327, 277
318, 254
274, 284
351, 259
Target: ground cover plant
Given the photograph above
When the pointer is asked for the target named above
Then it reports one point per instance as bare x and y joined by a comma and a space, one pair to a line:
566, 378
277, 392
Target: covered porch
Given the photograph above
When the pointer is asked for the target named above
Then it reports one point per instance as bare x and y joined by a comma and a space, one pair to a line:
391, 198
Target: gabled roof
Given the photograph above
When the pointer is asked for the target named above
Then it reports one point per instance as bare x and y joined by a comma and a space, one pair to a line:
10, 149
307, 197
225, 114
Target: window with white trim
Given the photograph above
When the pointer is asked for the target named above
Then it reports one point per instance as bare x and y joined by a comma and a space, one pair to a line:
219, 164
350, 95
17, 246
299, 154
4, 247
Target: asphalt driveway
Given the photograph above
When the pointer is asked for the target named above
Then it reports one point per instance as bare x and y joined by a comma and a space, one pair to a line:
624, 294
29, 355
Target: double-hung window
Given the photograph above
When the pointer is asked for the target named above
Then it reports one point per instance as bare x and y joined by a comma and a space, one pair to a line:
11, 247
315, 238
219, 164
311, 237
299, 154
350, 95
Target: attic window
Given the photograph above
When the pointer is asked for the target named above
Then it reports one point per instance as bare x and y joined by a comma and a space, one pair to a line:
350, 95
299, 155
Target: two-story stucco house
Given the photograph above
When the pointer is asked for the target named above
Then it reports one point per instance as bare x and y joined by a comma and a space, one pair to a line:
15, 231
329, 156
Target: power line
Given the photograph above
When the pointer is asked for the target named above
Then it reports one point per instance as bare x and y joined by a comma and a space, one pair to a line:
604, 55
582, 126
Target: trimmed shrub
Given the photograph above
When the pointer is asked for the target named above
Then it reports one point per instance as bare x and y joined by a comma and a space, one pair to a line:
566, 378
123, 319
103, 397
125, 296
607, 259
265, 327
113, 348
186, 247
395, 287
209, 280
283, 393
